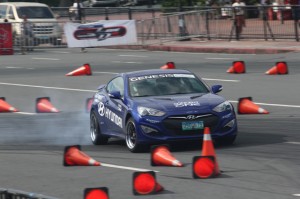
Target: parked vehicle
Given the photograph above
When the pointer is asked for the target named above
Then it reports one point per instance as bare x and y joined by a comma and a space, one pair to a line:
45, 26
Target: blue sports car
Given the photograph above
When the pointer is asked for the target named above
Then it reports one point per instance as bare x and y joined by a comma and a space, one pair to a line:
160, 106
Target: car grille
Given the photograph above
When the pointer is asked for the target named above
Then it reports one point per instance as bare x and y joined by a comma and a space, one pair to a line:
173, 123
43, 29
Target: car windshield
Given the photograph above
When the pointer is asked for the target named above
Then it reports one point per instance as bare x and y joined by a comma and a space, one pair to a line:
35, 12
165, 84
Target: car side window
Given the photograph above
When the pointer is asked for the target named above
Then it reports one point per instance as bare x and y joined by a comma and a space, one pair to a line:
116, 84
3, 9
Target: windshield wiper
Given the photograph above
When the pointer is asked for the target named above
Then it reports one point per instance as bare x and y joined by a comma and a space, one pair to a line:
196, 96
163, 98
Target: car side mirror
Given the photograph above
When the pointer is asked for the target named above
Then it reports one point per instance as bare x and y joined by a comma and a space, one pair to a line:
115, 95
216, 88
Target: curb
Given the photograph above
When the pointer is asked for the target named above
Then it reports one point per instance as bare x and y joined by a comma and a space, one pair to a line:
173, 48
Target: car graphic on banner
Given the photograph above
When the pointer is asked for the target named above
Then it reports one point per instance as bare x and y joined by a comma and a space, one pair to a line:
98, 32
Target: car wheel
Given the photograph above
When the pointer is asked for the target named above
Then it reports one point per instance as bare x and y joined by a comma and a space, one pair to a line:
96, 136
131, 137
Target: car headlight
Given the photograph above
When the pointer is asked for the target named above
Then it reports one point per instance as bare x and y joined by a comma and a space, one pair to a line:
225, 106
149, 111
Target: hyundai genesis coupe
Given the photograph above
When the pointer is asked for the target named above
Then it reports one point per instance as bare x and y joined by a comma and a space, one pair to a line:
160, 106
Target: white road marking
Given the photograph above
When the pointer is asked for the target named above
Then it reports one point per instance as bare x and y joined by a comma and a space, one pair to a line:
92, 91
13, 67
127, 62
107, 73
221, 80
132, 56
17, 67
297, 194
25, 113
62, 52
44, 58
47, 87
123, 167
221, 58
277, 105
292, 142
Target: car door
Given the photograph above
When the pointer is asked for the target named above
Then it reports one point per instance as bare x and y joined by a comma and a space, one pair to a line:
114, 111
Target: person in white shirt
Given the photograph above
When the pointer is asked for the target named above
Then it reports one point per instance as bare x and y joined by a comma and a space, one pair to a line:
239, 13
77, 5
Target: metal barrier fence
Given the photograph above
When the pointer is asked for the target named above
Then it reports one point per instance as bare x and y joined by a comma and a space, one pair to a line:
16, 194
211, 24
158, 26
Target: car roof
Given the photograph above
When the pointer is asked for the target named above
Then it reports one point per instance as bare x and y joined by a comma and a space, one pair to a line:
155, 71
24, 4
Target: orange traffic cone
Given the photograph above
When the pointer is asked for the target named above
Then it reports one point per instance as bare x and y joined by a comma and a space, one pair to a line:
89, 102
246, 106
280, 68
83, 70
203, 167
237, 67
96, 193
43, 105
73, 156
168, 65
5, 107
144, 183
161, 156
209, 150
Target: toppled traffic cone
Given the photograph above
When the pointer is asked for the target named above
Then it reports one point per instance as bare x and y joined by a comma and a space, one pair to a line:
5, 107
203, 167
168, 65
237, 67
73, 156
89, 102
280, 68
96, 193
83, 70
43, 105
209, 150
144, 183
161, 156
246, 106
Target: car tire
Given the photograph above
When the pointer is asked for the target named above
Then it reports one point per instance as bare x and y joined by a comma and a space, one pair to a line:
131, 137
96, 136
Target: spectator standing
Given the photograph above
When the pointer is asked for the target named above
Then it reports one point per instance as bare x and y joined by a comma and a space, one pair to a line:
239, 14
77, 5
28, 34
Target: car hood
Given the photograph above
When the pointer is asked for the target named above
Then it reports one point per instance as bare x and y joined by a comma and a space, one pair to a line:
181, 103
